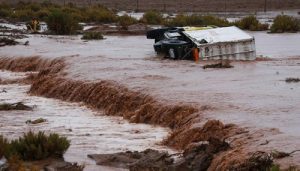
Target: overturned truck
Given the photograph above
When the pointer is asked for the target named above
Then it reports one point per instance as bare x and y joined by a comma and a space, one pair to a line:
203, 43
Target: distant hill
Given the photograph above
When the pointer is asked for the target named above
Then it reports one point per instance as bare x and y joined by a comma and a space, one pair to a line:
184, 5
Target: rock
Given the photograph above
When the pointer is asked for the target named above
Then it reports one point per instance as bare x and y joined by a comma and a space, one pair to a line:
134, 160
197, 157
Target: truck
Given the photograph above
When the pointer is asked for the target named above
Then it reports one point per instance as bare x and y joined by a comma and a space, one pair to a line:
203, 43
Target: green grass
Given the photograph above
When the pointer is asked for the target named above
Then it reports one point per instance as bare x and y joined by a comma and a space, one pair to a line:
36, 146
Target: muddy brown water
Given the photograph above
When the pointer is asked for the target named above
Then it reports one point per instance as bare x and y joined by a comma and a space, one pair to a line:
90, 132
252, 94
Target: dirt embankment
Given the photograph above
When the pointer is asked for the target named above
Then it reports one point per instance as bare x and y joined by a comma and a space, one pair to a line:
137, 107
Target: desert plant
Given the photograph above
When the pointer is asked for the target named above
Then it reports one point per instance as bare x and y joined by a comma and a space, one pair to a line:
126, 21
152, 17
92, 36
62, 23
251, 23
36, 146
284, 23
3, 146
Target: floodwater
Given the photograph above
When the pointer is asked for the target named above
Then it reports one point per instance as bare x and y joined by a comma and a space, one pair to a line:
252, 94
90, 132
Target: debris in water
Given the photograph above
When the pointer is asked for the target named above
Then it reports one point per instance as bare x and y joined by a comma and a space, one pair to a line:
4, 41
37, 121
279, 154
14, 106
292, 80
196, 157
223, 64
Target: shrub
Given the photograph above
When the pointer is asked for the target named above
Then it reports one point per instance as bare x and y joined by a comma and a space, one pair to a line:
152, 17
37, 146
251, 23
3, 146
92, 36
284, 23
99, 14
62, 23
126, 21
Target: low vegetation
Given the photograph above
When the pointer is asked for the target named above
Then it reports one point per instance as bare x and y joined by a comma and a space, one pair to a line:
64, 19
152, 17
14, 106
126, 20
3, 146
251, 23
35, 146
62, 23
284, 23
92, 36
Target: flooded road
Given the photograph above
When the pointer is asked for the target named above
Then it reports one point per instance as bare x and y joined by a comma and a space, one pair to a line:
90, 132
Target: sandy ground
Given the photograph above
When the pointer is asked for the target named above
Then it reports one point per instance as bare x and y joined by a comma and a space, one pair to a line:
252, 94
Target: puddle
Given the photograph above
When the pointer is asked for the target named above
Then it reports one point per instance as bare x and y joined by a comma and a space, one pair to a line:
90, 132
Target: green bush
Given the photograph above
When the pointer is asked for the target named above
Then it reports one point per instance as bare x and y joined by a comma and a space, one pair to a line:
152, 17
92, 36
126, 21
3, 146
62, 23
37, 146
284, 23
251, 23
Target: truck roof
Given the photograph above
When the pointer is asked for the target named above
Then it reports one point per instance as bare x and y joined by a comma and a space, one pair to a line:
216, 35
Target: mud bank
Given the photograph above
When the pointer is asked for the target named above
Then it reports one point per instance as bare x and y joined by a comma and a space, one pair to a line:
117, 100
